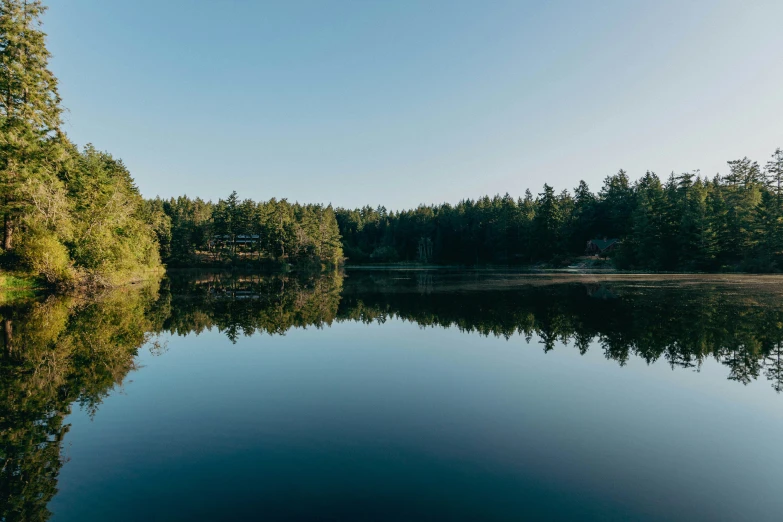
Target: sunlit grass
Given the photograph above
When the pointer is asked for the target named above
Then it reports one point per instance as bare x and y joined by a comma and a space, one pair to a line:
16, 286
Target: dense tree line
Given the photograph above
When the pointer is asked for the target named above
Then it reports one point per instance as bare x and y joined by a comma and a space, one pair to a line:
270, 233
75, 217
685, 222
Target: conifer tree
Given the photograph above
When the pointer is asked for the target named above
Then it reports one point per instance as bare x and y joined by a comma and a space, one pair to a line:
29, 106
647, 239
547, 223
775, 178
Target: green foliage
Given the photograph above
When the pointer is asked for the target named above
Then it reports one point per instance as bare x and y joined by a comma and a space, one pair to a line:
29, 107
15, 282
62, 351
76, 218
55, 353
44, 254
276, 304
113, 240
687, 223
232, 232
73, 217
87, 225
18, 287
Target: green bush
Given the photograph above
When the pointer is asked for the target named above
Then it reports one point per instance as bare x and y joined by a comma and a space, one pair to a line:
43, 253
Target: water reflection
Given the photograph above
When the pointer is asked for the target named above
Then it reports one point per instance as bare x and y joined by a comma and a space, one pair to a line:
248, 304
55, 353
58, 352
738, 323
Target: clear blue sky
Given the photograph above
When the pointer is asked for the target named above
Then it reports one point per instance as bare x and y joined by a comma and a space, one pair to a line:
407, 102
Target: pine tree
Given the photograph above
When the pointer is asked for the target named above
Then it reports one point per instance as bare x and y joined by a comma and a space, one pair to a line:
331, 246
766, 233
775, 178
743, 193
29, 106
546, 225
528, 208
583, 221
646, 244
694, 239
718, 218
616, 206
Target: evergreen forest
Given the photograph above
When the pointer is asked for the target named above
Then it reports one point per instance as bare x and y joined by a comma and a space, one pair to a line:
73, 217
686, 222
269, 234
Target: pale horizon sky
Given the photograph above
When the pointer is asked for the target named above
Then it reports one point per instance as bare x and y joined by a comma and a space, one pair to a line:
401, 103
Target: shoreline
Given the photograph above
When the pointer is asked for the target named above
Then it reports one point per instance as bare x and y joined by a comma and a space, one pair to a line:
15, 286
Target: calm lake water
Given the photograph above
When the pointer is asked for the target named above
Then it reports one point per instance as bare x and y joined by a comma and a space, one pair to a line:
397, 395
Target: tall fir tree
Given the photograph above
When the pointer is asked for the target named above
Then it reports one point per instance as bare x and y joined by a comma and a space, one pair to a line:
775, 178
29, 106
546, 227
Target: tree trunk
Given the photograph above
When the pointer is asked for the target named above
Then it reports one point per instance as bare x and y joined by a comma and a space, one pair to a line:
8, 334
8, 233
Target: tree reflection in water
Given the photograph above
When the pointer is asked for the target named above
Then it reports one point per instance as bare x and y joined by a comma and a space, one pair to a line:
61, 351
57, 352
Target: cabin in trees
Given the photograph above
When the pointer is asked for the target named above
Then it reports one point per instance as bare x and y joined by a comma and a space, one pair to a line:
601, 247
234, 241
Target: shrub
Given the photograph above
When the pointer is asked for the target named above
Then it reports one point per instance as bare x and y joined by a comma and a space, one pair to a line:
44, 254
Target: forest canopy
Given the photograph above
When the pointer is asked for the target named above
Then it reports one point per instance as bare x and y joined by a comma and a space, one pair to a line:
272, 234
685, 222
74, 217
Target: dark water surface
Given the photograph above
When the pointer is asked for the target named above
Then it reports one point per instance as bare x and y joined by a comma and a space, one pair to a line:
397, 395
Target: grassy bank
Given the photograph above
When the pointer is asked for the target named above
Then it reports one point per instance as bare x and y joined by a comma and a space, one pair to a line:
18, 285
15, 285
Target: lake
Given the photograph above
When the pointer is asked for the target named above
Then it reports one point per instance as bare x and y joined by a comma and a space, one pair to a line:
396, 395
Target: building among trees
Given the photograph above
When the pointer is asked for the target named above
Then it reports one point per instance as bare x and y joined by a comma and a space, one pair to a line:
601, 247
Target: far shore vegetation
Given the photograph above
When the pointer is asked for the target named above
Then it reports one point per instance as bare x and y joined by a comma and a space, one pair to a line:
687, 222
73, 217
